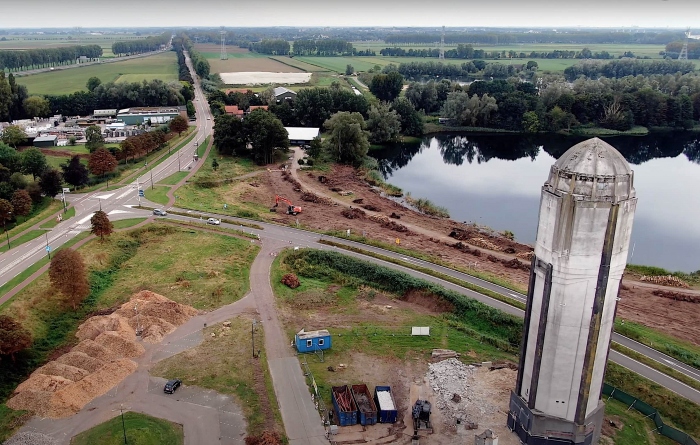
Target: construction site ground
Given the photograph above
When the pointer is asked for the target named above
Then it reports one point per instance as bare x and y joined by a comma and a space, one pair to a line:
430, 235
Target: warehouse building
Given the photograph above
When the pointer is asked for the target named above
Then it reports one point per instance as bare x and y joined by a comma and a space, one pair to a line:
45, 141
301, 135
154, 115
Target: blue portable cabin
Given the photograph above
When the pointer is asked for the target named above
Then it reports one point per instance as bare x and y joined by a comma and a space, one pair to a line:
312, 341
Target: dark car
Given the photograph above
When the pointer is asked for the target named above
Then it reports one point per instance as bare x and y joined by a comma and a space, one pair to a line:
172, 386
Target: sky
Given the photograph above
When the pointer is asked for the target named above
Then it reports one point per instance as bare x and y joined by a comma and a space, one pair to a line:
384, 13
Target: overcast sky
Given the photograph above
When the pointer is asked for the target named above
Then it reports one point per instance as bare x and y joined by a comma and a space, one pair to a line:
237, 13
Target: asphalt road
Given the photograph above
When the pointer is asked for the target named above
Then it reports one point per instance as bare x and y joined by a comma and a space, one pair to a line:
119, 205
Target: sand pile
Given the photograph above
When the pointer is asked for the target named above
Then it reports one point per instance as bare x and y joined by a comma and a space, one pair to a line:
101, 360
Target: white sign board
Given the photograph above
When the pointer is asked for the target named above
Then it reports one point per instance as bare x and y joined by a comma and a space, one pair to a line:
66, 190
416, 330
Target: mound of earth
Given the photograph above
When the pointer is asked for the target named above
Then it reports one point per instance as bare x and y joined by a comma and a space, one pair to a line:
102, 358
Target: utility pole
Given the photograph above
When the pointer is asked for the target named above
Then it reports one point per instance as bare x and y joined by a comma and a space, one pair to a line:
48, 249
121, 409
178, 160
151, 179
5, 229
252, 335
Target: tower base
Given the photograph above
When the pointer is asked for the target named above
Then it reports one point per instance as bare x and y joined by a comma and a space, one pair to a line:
537, 428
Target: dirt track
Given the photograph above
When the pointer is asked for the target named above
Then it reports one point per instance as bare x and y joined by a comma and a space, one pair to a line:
431, 235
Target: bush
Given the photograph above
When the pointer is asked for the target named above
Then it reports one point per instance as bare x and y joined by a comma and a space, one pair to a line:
301, 162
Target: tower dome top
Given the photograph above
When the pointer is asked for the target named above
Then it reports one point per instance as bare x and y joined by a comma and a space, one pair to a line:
593, 157
592, 170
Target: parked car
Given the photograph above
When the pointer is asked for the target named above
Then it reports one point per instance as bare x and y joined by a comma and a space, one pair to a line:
213, 221
160, 212
172, 385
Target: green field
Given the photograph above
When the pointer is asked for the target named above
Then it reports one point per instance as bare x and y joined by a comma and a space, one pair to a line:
140, 429
160, 66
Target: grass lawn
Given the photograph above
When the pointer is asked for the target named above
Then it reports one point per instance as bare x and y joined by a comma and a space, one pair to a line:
11, 420
632, 427
21, 240
174, 178
40, 212
210, 365
53, 222
160, 66
126, 223
140, 429
194, 197
158, 194
685, 351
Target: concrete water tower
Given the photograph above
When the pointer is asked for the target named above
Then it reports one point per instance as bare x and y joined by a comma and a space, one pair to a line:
585, 221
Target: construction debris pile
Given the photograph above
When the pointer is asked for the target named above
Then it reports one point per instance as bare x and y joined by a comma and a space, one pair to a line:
353, 213
30, 438
310, 197
678, 296
666, 280
102, 358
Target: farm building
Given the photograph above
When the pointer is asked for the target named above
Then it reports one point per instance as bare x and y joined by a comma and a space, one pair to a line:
282, 93
45, 141
301, 135
156, 115
233, 110
312, 341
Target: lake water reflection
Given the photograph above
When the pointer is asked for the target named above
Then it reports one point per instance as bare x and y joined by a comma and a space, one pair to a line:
495, 180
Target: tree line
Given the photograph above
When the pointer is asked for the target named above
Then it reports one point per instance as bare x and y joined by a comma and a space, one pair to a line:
323, 47
184, 73
154, 93
199, 62
627, 67
273, 47
21, 60
150, 43
673, 49
499, 38
468, 52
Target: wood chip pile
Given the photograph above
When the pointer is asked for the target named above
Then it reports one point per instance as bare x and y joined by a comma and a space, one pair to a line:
483, 243
667, 280
101, 360
353, 213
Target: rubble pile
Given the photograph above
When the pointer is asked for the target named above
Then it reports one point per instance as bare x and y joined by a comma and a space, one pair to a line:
30, 438
447, 378
310, 197
372, 208
483, 243
526, 255
353, 213
289, 178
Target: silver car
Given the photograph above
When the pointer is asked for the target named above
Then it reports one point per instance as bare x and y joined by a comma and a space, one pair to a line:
160, 212
213, 221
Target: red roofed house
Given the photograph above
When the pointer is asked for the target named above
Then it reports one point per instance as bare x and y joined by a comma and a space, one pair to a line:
233, 110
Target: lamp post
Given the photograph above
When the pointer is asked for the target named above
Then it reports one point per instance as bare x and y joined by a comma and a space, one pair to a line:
9, 214
178, 160
121, 409
252, 335
151, 179
63, 196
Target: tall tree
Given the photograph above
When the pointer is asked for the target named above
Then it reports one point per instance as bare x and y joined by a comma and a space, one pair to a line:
411, 120
93, 83
36, 106
68, 275
383, 124
348, 141
6, 211
265, 133
10, 158
315, 147
21, 203
50, 182
229, 134
95, 140
101, 162
386, 87
101, 225
33, 162
75, 173
178, 124
13, 337
5, 97
13, 135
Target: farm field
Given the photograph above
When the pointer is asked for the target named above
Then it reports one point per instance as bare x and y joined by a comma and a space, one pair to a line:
241, 60
160, 66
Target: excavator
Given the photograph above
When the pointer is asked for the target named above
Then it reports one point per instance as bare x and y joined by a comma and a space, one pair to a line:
291, 208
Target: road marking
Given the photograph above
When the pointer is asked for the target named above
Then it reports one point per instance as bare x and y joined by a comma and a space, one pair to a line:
107, 196
86, 219
114, 212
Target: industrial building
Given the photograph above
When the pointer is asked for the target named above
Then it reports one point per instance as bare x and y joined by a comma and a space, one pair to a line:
45, 141
104, 113
301, 135
282, 93
154, 115
586, 212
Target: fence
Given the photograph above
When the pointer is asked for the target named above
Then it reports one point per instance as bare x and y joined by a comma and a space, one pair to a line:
651, 412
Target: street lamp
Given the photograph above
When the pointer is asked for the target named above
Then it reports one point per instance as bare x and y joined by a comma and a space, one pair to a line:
5, 229
121, 409
178, 160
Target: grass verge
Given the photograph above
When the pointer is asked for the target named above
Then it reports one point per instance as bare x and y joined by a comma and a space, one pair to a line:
194, 213
631, 427
211, 228
53, 222
140, 429
40, 212
21, 240
157, 194
126, 223
683, 351
656, 365
425, 270
676, 410
10, 420
174, 178
209, 366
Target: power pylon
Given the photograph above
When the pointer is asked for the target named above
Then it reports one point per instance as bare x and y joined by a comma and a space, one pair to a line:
442, 44
224, 54
684, 51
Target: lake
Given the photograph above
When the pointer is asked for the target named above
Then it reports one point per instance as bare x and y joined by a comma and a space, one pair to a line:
496, 180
